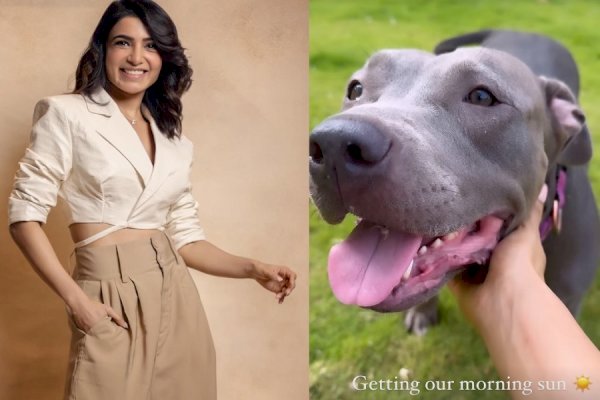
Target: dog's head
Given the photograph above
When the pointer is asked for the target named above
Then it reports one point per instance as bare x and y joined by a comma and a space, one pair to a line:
438, 157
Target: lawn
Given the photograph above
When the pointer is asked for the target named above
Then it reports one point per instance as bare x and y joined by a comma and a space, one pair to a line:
347, 341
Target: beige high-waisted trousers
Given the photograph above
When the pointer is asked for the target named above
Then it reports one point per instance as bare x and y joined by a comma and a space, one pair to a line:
167, 353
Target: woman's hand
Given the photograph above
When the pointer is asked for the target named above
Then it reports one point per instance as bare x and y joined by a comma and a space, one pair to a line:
516, 259
275, 278
208, 258
529, 333
87, 313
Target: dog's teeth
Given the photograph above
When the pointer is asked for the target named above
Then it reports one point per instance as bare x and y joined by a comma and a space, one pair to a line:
450, 236
408, 271
422, 250
437, 243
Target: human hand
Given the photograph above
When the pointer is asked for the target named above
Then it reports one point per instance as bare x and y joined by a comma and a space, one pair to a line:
87, 313
523, 245
518, 258
275, 278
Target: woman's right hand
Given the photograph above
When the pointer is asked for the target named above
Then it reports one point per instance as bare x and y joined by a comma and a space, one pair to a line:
33, 242
87, 313
516, 260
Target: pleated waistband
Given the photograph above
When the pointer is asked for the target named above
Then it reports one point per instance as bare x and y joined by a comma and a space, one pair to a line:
124, 260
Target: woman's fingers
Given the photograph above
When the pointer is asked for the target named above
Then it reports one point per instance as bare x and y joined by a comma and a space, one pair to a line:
519, 245
92, 312
273, 274
290, 280
278, 279
115, 317
535, 218
288, 284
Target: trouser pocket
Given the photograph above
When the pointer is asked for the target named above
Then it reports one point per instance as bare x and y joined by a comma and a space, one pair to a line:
99, 357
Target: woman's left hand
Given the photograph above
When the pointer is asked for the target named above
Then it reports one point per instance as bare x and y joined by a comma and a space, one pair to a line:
208, 258
275, 278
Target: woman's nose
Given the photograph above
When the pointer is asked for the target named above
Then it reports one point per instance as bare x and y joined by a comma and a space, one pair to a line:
136, 55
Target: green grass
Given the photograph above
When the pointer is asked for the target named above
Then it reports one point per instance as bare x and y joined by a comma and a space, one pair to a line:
347, 341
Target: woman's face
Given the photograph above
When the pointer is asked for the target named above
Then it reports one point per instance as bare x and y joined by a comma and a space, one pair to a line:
132, 62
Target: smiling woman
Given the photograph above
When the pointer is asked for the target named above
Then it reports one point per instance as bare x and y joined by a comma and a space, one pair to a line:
132, 61
114, 152
126, 56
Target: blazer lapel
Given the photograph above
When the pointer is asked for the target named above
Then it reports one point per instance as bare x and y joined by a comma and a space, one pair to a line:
119, 133
166, 161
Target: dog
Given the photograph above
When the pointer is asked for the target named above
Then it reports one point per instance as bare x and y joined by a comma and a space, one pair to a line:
439, 156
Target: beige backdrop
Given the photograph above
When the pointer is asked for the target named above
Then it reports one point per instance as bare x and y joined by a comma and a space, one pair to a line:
247, 113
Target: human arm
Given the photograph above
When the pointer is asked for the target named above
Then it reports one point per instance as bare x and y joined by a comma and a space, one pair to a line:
184, 229
208, 258
44, 167
35, 246
528, 331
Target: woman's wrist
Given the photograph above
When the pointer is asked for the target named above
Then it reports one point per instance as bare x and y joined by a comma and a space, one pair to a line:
506, 298
75, 298
251, 268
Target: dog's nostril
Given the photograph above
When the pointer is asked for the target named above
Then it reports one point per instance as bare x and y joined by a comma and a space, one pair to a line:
354, 152
366, 154
341, 143
578, 114
316, 154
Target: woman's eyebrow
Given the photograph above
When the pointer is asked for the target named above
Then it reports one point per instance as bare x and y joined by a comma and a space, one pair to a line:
126, 37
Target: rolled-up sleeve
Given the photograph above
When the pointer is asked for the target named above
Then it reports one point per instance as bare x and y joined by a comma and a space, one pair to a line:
183, 225
44, 167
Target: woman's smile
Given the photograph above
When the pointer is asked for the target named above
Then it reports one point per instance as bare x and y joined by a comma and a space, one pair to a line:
133, 63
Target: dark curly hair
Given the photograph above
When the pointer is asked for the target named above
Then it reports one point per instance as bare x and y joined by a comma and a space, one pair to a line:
163, 98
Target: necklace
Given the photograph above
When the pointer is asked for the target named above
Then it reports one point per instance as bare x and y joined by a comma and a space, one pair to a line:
132, 121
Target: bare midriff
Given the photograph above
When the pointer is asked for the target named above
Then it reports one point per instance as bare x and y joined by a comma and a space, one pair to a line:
82, 231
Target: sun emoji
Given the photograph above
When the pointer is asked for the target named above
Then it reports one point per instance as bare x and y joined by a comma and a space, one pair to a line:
582, 383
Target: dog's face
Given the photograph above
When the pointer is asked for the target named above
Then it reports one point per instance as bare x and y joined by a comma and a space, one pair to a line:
437, 156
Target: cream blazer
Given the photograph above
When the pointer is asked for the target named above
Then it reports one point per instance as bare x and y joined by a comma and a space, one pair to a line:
87, 153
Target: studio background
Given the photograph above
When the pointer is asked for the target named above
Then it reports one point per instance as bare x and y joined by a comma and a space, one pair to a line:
247, 114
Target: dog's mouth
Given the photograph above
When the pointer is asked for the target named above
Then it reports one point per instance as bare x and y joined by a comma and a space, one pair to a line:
388, 270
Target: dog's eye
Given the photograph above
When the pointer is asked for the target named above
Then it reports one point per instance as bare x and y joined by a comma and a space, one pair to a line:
355, 90
481, 97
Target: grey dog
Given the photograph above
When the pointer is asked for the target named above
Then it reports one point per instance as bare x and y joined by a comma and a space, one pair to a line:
442, 155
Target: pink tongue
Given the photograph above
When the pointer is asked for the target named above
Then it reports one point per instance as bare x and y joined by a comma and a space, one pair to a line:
365, 268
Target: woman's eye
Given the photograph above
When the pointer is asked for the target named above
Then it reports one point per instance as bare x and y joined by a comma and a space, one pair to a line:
121, 43
151, 46
481, 97
355, 90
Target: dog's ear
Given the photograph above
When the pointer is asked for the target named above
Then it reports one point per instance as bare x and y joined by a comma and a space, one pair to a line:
573, 141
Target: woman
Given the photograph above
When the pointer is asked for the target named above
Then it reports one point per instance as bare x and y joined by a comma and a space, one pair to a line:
113, 150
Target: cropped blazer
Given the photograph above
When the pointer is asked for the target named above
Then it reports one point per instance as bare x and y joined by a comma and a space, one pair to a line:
86, 152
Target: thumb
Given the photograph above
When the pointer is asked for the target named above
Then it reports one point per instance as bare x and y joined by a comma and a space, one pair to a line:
535, 217
272, 274
115, 317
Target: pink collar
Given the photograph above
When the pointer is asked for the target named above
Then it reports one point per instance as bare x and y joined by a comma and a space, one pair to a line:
553, 208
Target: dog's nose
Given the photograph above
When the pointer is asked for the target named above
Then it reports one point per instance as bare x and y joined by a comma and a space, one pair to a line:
348, 144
